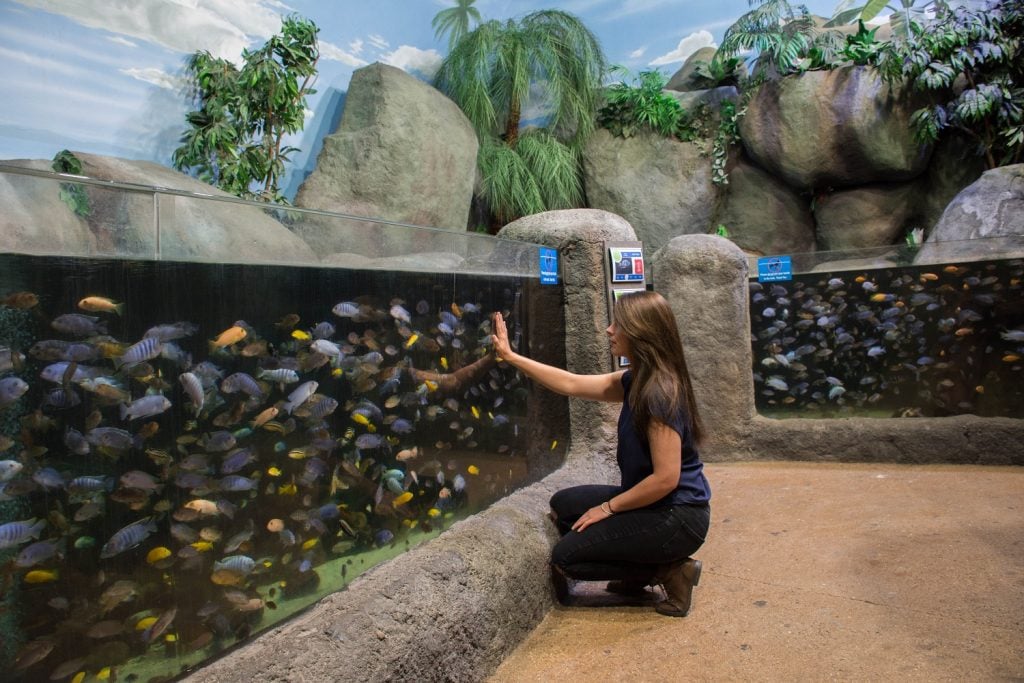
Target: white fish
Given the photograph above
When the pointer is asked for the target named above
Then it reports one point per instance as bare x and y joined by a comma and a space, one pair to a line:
193, 389
149, 347
9, 469
11, 389
147, 406
1013, 335
16, 533
326, 347
300, 395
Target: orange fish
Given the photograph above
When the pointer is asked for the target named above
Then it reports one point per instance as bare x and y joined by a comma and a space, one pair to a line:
22, 300
100, 304
228, 337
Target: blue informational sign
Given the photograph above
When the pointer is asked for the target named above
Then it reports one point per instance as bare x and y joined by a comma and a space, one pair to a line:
774, 269
627, 265
548, 266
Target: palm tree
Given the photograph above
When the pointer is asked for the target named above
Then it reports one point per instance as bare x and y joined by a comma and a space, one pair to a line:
455, 21
779, 33
494, 72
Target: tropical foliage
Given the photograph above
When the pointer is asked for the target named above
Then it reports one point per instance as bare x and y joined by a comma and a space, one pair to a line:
719, 71
500, 69
970, 61
728, 134
235, 136
72, 194
645, 106
780, 35
901, 19
455, 21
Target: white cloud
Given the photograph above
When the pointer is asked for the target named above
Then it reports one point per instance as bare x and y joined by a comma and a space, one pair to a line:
687, 46
638, 53
409, 58
155, 77
356, 46
118, 40
333, 52
378, 41
223, 27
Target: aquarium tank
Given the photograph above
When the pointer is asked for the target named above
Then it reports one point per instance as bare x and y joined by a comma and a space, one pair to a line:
193, 449
922, 330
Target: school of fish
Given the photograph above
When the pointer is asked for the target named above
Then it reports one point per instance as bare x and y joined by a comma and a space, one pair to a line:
172, 491
909, 342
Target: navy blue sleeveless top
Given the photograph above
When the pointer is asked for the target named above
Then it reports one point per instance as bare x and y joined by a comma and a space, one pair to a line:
634, 457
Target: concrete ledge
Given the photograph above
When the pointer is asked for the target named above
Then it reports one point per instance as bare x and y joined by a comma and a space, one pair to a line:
450, 609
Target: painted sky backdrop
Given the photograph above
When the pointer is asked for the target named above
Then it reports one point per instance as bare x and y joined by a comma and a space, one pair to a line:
105, 76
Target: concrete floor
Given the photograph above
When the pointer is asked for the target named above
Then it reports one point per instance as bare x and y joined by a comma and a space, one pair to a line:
820, 572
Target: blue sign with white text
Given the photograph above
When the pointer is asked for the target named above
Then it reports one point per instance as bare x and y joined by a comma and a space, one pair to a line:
548, 266
774, 269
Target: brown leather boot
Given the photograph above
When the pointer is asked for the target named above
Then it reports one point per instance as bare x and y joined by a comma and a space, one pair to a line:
678, 580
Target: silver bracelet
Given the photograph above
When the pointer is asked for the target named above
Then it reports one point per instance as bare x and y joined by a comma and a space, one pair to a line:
606, 507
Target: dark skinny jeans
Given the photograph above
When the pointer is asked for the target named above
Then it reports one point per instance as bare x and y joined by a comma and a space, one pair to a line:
629, 545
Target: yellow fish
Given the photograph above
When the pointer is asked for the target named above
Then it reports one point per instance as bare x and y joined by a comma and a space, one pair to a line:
411, 340
41, 576
143, 624
431, 386
473, 469
274, 426
456, 311
444, 363
360, 418
1011, 358
433, 512
299, 454
311, 543
879, 297
228, 337
100, 303
202, 546
78, 677
103, 674
402, 499
301, 336
475, 411
273, 471
171, 638
157, 554
337, 372
553, 444
288, 490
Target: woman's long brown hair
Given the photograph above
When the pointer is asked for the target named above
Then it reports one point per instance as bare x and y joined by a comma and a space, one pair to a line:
661, 383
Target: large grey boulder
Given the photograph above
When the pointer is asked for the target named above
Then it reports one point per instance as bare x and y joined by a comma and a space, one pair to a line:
403, 152
954, 165
762, 215
683, 79
121, 222
834, 128
661, 186
868, 216
989, 212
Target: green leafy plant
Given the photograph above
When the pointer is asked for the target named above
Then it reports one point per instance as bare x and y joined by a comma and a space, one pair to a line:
455, 21
235, 136
861, 48
719, 71
903, 17
72, 194
779, 34
722, 231
728, 134
969, 60
645, 106
499, 69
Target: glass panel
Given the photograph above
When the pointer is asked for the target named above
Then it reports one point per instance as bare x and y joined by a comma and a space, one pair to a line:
893, 333
193, 451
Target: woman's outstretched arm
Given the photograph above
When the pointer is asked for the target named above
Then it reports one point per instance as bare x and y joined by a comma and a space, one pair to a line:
605, 387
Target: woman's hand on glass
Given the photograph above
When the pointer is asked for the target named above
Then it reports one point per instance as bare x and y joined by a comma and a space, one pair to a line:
500, 338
